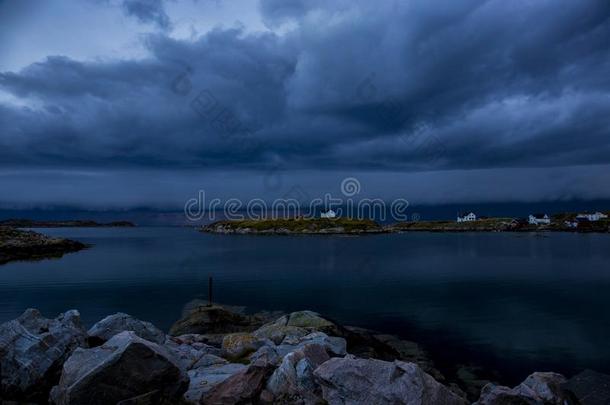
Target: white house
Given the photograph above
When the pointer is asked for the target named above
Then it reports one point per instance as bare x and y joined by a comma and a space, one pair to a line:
328, 214
466, 217
592, 217
539, 219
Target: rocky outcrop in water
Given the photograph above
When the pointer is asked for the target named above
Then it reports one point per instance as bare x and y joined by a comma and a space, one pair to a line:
16, 244
298, 358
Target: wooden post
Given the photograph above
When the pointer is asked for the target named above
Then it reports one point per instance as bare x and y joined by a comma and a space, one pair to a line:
210, 291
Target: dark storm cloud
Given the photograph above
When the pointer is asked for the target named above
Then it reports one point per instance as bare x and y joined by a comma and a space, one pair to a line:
349, 84
147, 11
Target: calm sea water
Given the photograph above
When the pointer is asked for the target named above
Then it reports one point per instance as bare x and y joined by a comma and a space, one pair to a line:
509, 302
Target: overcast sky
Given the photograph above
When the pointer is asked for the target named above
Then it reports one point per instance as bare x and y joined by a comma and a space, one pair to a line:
144, 102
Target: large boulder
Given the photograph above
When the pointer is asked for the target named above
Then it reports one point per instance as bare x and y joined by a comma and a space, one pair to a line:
190, 349
297, 324
537, 389
208, 320
243, 387
32, 351
238, 345
112, 325
589, 387
335, 346
351, 380
124, 368
293, 381
211, 372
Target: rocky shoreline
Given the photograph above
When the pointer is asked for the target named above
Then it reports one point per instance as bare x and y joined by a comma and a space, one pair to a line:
16, 245
215, 355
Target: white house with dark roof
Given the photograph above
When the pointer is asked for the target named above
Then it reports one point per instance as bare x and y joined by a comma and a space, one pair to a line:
596, 216
466, 217
539, 219
328, 214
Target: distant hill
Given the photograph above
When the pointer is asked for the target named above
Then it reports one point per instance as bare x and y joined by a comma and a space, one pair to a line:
28, 223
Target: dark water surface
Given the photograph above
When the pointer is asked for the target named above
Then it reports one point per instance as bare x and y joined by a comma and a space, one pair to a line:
510, 302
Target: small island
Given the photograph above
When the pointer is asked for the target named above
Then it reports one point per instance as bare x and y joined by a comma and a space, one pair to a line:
17, 244
296, 226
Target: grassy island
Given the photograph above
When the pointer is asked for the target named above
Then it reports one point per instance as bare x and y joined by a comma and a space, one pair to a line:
16, 244
295, 226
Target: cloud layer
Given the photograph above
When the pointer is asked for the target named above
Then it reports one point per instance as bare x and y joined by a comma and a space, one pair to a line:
342, 85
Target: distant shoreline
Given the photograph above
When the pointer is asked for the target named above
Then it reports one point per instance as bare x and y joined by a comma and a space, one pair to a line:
28, 223
346, 226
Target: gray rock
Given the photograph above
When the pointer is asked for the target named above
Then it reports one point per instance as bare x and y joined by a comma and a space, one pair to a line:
547, 387
189, 350
537, 389
335, 346
366, 381
214, 371
296, 324
492, 394
293, 381
124, 368
589, 388
32, 351
209, 360
267, 354
112, 325
238, 345
241, 388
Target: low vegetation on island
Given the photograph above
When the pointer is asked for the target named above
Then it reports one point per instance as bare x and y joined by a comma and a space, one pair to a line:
480, 225
298, 225
16, 244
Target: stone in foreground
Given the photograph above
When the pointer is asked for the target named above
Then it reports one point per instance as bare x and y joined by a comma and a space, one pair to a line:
238, 345
124, 368
537, 389
366, 381
589, 387
112, 325
206, 377
32, 351
297, 324
243, 387
293, 381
